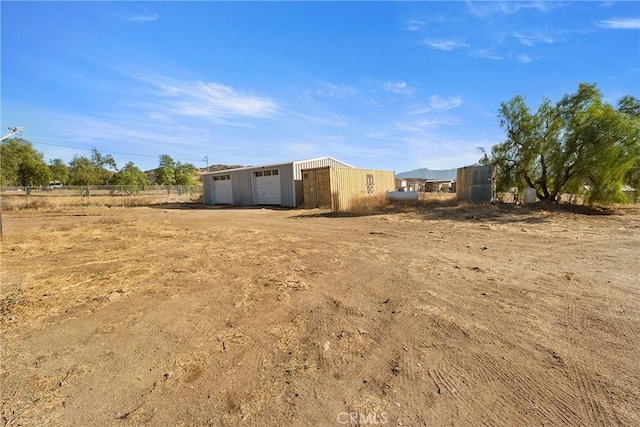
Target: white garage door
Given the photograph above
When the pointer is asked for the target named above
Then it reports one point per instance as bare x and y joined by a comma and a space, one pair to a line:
222, 193
267, 185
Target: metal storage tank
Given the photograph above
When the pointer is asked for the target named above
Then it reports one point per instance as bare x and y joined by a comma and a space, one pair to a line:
475, 184
277, 184
530, 195
337, 187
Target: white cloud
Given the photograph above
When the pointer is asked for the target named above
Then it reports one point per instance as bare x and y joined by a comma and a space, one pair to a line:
484, 9
513, 7
524, 58
331, 90
489, 54
213, 101
438, 103
421, 124
621, 24
532, 39
412, 25
143, 17
445, 45
331, 120
401, 88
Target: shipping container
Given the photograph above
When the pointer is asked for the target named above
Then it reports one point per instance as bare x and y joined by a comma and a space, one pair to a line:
336, 188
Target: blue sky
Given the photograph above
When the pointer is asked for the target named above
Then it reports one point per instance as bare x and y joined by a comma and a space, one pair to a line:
382, 85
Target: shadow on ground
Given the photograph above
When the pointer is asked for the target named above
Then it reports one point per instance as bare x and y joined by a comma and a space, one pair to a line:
461, 211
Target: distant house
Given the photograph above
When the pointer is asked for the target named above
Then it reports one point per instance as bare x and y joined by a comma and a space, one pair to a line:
401, 184
277, 184
439, 186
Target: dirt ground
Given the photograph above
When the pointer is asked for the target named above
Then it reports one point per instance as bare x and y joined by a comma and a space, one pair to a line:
442, 315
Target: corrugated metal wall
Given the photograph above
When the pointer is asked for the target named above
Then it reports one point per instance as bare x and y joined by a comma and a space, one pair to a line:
206, 188
348, 184
311, 164
316, 185
242, 184
242, 187
290, 181
475, 183
344, 185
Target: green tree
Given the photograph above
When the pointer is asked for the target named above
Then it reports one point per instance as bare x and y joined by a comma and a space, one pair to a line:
185, 174
21, 164
102, 165
59, 171
130, 174
166, 171
91, 171
631, 107
82, 171
580, 144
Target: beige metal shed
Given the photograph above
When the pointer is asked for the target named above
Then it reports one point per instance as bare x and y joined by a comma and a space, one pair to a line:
336, 187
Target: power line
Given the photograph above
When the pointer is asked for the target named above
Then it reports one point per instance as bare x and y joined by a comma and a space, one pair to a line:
110, 152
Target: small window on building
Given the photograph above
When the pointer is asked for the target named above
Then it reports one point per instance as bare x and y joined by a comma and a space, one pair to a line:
267, 173
274, 172
216, 178
259, 173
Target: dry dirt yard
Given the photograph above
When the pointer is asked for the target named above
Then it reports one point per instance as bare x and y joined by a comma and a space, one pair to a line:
442, 315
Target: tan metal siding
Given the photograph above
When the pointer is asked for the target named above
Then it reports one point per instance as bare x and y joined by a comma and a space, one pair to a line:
316, 185
337, 187
348, 184
311, 164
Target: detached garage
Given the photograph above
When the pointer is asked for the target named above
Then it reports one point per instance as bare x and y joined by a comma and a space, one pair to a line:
277, 184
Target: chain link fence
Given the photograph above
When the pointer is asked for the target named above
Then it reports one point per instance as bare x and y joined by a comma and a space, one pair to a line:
59, 197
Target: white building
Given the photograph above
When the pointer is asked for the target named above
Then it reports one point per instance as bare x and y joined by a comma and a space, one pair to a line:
278, 184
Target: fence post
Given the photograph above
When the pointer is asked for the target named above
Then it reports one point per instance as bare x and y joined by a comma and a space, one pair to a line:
122, 193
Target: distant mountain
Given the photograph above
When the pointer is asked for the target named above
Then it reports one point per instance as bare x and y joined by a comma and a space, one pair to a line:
429, 174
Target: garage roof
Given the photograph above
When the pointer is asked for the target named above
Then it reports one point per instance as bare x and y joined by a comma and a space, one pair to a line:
277, 164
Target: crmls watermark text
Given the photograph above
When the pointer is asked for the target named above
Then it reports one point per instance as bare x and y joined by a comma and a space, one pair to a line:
360, 418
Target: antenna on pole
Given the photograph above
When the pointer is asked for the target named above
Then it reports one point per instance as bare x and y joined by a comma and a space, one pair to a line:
12, 131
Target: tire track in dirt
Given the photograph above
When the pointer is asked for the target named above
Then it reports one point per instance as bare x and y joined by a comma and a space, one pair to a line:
397, 330
629, 334
528, 386
595, 401
539, 390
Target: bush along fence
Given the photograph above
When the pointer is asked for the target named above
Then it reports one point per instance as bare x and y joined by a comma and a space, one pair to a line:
59, 197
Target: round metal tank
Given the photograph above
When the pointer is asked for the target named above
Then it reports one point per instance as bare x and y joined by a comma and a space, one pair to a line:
529, 195
402, 195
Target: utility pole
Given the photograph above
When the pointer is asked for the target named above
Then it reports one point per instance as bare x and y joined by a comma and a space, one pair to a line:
12, 131
206, 159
